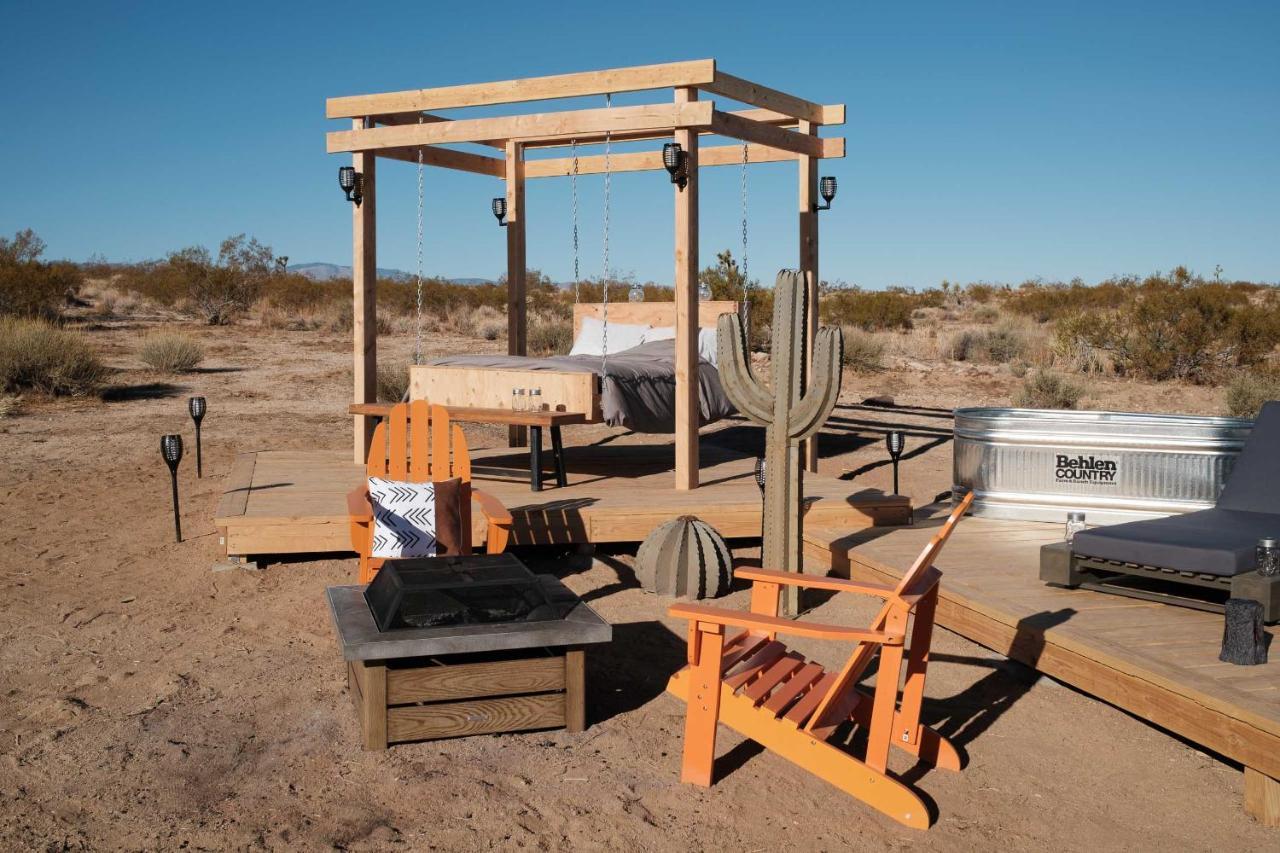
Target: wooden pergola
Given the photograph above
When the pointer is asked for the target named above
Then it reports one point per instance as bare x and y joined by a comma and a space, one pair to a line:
403, 125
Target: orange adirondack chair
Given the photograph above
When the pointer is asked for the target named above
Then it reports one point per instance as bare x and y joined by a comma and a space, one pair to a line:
756, 685
417, 443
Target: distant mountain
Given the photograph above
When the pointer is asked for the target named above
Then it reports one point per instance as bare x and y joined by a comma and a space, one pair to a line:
327, 272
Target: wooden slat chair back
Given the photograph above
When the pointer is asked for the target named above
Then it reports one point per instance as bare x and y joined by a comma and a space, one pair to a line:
418, 443
773, 695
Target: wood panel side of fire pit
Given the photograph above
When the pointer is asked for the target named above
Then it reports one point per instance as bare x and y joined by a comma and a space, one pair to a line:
440, 699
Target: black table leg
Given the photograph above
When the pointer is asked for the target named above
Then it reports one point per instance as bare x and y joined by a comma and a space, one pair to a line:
557, 456
535, 458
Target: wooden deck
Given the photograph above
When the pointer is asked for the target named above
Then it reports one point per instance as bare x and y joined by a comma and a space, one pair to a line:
294, 502
1155, 661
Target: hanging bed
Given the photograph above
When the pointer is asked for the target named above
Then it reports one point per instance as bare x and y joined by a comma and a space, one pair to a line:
621, 370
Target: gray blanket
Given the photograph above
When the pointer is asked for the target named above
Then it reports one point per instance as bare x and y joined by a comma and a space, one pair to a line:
639, 388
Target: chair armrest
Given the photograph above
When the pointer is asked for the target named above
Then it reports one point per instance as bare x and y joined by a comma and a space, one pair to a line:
492, 508
772, 624
358, 505
797, 579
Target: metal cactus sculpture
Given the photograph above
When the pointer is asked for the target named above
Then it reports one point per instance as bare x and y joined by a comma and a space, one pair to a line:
791, 411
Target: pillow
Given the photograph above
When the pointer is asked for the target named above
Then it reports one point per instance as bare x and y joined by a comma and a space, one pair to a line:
708, 346
622, 336
405, 517
660, 333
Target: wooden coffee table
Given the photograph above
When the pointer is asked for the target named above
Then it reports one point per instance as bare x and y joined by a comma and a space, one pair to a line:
535, 421
412, 684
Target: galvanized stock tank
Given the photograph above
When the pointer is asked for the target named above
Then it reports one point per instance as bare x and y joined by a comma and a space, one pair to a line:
1038, 464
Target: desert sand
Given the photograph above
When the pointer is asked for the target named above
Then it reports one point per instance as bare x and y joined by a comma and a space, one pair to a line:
151, 703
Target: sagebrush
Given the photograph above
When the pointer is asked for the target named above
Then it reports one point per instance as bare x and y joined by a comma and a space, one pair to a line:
36, 355
1046, 390
1246, 392
171, 352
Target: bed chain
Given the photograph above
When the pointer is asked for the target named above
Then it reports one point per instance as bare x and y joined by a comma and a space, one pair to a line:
746, 279
573, 182
417, 345
604, 336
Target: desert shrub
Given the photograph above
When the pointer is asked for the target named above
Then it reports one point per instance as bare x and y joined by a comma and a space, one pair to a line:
38, 356
986, 314
9, 404
170, 352
1246, 392
998, 345
870, 310
549, 335
393, 382
1046, 390
223, 289
863, 351
1043, 301
1177, 328
30, 287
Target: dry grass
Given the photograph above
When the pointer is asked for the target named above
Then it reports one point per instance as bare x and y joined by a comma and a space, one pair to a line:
1046, 390
863, 351
38, 356
9, 405
171, 352
1246, 392
393, 382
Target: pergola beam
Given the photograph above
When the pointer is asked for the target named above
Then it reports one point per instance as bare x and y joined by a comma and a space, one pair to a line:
426, 118
698, 72
448, 158
737, 89
648, 117
737, 127
719, 155
771, 117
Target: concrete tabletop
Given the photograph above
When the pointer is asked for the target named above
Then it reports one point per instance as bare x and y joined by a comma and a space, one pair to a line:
360, 638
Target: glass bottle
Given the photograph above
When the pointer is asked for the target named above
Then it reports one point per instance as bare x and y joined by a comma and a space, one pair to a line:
1075, 524
535, 400
517, 399
1268, 557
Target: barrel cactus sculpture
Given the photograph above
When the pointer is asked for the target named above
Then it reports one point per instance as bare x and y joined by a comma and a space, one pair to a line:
685, 557
791, 411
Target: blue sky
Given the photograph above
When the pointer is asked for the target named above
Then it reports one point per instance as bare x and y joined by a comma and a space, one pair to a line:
986, 141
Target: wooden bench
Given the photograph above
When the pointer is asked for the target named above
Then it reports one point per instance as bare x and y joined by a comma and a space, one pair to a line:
535, 421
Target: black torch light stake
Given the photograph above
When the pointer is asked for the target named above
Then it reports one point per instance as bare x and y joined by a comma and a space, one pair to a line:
171, 450
196, 406
895, 441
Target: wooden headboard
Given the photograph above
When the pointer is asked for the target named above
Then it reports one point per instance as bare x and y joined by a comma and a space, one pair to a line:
649, 313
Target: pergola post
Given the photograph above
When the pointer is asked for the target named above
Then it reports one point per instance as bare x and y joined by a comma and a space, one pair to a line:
808, 172
364, 281
686, 287
517, 320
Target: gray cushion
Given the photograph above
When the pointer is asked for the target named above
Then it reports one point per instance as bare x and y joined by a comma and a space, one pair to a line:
1255, 476
1212, 541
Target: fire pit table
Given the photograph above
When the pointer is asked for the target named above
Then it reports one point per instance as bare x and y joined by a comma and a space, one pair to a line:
451, 646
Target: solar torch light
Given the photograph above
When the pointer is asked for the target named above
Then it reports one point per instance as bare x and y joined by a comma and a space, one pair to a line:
675, 161
171, 450
196, 406
895, 441
499, 208
351, 183
827, 189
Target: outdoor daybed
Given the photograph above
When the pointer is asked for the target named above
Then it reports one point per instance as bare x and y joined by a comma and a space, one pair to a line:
1212, 549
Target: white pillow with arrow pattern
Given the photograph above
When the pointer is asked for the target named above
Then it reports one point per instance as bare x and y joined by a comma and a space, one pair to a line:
404, 519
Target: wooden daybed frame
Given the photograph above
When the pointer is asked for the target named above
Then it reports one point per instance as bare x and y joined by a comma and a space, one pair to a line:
574, 392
